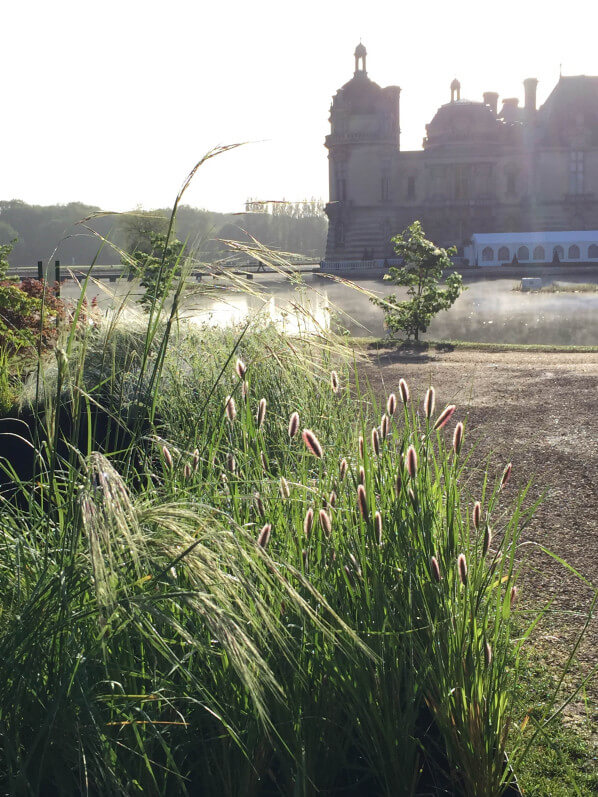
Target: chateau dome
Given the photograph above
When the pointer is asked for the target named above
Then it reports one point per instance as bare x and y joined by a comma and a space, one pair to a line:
461, 120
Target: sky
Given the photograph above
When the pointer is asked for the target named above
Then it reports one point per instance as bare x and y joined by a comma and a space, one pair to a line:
113, 103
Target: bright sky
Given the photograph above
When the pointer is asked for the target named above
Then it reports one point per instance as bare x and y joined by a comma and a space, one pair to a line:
112, 103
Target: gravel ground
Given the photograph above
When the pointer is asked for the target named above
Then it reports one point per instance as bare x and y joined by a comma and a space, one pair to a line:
538, 411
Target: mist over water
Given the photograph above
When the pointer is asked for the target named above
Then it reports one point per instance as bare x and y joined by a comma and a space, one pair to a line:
489, 311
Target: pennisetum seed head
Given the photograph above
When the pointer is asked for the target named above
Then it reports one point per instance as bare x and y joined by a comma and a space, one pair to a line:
378, 527
167, 457
411, 461
231, 463
398, 483
391, 404
355, 564
487, 540
429, 402
462, 567
231, 409
325, 522
361, 447
187, 471
506, 475
240, 368
343, 468
263, 461
244, 388
458, 437
361, 475
312, 443
308, 522
362, 501
445, 416
435, 568
332, 499
487, 653
385, 426
404, 390
334, 383
476, 514
261, 413
259, 504
376, 442
285, 491
293, 424
195, 460
514, 595
264, 535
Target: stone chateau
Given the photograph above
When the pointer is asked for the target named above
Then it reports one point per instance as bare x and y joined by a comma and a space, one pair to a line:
481, 169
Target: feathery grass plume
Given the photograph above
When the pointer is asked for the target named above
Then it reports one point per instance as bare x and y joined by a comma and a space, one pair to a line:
167, 457
361, 474
308, 522
411, 461
332, 499
312, 443
361, 447
385, 426
325, 522
187, 471
458, 437
263, 461
264, 535
378, 527
445, 416
231, 463
404, 390
259, 504
231, 409
376, 441
244, 388
462, 567
362, 501
195, 460
391, 404
293, 424
487, 540
476, 514
343, 468
285, 491
261, 413
429, 402
487, 653
514, 595
435, 567
398, 483
324, 502
355, 564
506, 475
241, 369
334, 383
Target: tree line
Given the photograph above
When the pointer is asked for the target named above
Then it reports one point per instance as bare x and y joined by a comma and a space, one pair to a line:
75, 233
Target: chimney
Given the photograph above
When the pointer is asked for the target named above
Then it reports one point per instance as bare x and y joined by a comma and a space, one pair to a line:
530, 85
491, 99
510, 107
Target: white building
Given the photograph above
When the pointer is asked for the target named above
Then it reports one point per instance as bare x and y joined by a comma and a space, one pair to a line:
495, 249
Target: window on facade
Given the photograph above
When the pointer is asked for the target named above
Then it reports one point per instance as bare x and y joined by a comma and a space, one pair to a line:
539, 253
558, 253
593, 251
573, 253
503, 254
576, 172
411, 187
487, 253
523, 253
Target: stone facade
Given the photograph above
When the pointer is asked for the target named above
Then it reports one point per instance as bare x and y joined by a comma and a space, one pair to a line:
481, 169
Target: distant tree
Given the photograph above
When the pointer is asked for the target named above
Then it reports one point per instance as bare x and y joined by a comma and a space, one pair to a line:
157, 269
137, 227
421, 272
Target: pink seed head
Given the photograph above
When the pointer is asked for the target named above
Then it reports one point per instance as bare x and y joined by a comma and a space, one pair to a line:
462, 567
476, 514
429, 402
325, 522
261, 413
361, 474
334, 383
445, 416
362, 501
458, 437
361, 447
376, 442
187, 471
514, 596
230, 463
308, 522
378, 527
167, 457
264, 535
293, 424
312, 443
404, 390
244, 389
435, 567
506, 475
487, 654
285, 491
391, 404
411, 462
398, 483
385, 426
344, 466
263, 461
231, 409
332, 499
241, 369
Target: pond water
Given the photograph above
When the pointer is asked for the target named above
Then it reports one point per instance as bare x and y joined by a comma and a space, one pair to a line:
490, 310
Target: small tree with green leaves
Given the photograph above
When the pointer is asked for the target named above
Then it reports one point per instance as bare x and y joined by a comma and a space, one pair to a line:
421, 272
156, 269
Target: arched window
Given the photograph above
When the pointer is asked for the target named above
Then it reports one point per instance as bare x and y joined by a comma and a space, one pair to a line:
539, 253
523, 253
504, 256
487, 253
573, 253
593, 251
558, 253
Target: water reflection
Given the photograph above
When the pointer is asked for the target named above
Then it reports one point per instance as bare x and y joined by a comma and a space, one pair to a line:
488, 311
